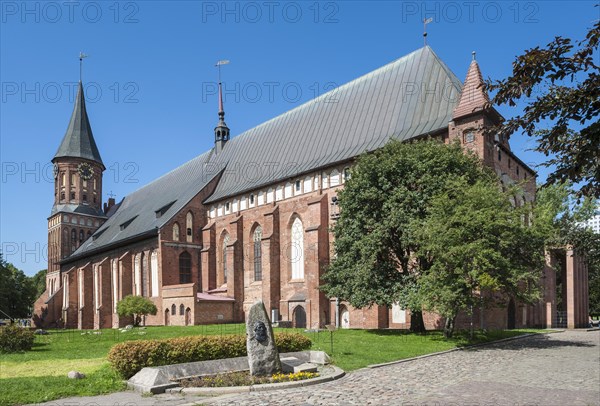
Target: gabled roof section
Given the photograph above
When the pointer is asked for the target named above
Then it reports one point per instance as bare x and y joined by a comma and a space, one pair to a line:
78, 141
412, 96
136, 213
76, 208
473, 98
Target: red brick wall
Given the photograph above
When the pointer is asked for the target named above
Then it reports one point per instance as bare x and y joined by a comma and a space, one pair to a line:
209, 312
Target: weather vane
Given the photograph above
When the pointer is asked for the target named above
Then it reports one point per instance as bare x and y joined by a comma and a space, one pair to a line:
218, 64
81, 57
111, 194
425, 22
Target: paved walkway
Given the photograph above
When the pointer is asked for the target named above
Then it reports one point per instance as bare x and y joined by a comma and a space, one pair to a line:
551, 369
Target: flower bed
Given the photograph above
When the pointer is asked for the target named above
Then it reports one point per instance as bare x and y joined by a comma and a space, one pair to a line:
242, 379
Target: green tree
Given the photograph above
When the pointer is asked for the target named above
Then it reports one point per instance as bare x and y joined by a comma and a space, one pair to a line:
481, 251
376, 261
566, 82
17, 293
39, 283
136, 307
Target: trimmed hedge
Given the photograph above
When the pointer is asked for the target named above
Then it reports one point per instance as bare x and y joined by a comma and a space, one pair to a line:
129, 357
15, 339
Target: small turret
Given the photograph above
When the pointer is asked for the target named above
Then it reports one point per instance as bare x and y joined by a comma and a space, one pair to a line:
221, 130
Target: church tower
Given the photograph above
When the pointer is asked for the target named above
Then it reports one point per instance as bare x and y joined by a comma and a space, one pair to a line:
77, 210
472, 115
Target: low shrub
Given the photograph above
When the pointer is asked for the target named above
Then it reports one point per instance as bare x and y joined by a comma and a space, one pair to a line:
292, 342
15, 339
129, 357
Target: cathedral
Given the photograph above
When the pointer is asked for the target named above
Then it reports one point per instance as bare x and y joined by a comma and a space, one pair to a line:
250, 219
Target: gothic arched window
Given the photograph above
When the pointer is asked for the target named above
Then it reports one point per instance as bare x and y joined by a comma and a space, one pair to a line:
257, 237
224, 257
297, 249
175, 232
185, 268
189, 226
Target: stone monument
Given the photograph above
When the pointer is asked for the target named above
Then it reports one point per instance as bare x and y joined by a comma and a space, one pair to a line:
263, 357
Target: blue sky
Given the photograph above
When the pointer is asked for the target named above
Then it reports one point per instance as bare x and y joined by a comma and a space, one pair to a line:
150, 77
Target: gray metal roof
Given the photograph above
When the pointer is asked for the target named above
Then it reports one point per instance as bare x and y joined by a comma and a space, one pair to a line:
411, 96
76, 208
78, 140
136, 214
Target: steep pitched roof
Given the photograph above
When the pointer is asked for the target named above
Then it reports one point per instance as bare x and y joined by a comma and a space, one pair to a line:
473, 98
149, 208
79, 141
411, 96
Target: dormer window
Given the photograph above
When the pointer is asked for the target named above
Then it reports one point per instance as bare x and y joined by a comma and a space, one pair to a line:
164, 209
98, 234
126, 224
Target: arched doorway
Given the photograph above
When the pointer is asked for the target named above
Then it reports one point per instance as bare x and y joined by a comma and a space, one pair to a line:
512, 312
167, 318
299, 317
188, 316
344, 317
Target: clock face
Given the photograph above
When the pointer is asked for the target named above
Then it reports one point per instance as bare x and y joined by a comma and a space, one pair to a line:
85, 171
55, 171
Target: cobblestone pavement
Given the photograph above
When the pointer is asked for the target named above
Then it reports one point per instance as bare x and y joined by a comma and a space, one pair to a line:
550, 369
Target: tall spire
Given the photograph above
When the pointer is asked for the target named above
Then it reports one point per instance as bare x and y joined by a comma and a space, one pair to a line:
221, 111
473, 98
221, 130
78, 141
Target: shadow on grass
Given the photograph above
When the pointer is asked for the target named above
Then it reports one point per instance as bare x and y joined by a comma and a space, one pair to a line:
37, 346
391, 332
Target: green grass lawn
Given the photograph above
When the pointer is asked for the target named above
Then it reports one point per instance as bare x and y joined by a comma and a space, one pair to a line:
40, 375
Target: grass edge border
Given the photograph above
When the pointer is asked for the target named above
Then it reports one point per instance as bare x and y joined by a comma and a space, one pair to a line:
525, 335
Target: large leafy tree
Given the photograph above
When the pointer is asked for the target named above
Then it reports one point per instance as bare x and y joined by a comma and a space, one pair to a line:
376, 248
39, 283
17, 292
563, 82
136, 307
481, 250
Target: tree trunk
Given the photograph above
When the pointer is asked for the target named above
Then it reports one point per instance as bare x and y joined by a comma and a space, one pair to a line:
416, 322
449, 327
